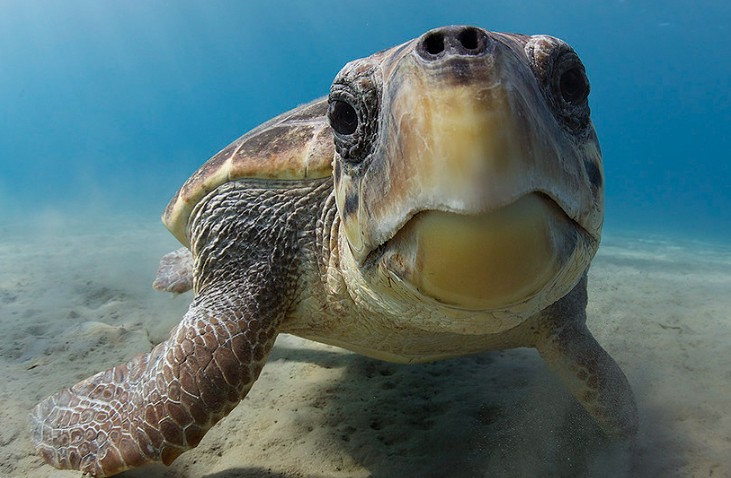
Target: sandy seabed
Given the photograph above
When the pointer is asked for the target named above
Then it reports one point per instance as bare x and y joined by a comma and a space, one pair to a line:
76, 299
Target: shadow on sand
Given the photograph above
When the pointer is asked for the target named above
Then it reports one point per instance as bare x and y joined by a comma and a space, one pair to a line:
492, 414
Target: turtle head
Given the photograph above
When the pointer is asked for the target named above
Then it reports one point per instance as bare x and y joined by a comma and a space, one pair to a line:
467, 170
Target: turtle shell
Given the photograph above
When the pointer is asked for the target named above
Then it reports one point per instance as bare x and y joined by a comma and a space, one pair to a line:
295, 145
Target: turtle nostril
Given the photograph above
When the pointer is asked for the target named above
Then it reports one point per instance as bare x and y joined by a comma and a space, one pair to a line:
449, 42
469, 38
434, 43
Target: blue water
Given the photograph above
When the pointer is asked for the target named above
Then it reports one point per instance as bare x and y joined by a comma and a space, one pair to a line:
107, 107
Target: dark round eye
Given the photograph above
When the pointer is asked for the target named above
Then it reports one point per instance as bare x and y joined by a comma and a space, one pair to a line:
343, 117
573, 85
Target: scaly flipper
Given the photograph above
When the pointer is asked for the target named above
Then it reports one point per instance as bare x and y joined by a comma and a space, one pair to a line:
160, 404
593, 377
175, 273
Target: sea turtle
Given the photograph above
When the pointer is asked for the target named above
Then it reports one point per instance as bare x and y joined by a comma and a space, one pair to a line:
446, 198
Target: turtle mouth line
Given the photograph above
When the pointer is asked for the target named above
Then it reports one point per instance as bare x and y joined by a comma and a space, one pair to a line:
482, 261
375, 255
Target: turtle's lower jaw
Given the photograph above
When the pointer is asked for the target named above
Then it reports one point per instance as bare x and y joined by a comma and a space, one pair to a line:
488, 261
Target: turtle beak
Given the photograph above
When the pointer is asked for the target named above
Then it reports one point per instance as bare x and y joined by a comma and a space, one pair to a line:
486, 261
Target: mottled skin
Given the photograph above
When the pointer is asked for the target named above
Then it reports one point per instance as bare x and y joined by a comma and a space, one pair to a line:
481, 134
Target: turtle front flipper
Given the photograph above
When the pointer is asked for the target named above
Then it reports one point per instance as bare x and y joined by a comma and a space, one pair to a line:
160, 404
593, 377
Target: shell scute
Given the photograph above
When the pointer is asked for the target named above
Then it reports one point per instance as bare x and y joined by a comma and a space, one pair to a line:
296, 145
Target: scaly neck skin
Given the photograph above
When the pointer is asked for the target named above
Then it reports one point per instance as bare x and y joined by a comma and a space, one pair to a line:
248, 222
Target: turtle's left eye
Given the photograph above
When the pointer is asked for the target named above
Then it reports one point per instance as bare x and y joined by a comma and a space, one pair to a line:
563, 79
343, 117
571, 90
573, 85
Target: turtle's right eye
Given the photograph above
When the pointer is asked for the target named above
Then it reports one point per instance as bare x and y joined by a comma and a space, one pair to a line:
353, 112
343, 117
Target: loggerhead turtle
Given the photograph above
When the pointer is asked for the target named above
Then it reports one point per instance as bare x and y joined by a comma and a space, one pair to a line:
445, 199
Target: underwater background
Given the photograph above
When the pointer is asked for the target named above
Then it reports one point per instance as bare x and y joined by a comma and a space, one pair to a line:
107, 107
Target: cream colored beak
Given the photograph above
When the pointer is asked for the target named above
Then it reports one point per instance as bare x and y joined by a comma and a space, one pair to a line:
485, 261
